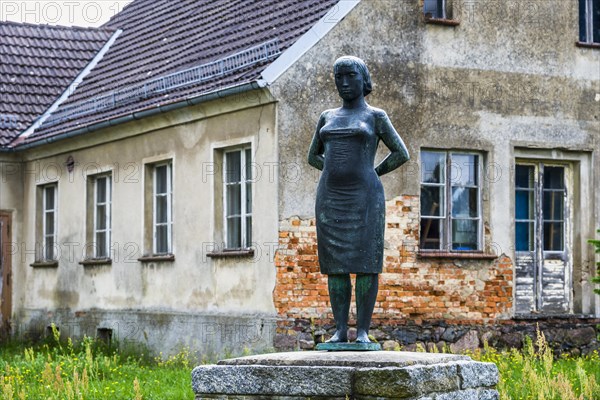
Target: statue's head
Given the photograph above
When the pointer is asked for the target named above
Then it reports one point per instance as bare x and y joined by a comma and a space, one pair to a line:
360, 66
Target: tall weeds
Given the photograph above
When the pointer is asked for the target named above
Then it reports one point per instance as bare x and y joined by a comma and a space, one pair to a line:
535, 374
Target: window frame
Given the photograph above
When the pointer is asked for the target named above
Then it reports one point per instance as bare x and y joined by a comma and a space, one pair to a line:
45, 211
245, 244
446, 241
108, 216
169, 196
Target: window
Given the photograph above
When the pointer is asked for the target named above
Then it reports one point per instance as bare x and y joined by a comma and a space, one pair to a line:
49, 221
589, 21
237, 195
162, 224
102, 216
450, 202
435, 9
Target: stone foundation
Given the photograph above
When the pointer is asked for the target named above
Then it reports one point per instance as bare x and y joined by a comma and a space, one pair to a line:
573, 336
166, 333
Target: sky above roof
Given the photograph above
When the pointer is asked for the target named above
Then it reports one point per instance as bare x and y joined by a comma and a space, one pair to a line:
67, 12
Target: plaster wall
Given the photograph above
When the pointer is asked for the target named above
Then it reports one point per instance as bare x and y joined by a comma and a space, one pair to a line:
509, 76
193, 282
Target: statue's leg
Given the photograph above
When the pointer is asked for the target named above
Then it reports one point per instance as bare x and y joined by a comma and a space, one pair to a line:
367, 286
340, 294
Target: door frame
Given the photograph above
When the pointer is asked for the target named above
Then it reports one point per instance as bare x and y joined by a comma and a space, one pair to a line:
539, 255
6, 255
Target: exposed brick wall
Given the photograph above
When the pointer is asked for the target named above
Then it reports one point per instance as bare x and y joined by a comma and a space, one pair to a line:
412, 289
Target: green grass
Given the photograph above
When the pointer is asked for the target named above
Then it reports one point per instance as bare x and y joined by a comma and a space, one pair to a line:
90, 370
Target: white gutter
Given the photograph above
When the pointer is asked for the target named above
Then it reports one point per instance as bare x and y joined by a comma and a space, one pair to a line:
308, 40
70, 90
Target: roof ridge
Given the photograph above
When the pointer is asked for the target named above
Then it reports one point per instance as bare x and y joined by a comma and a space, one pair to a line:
60, 27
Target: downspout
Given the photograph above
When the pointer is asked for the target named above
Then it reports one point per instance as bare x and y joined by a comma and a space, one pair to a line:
246, 87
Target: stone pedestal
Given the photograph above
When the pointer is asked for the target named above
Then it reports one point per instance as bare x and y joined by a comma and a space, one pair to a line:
347, 375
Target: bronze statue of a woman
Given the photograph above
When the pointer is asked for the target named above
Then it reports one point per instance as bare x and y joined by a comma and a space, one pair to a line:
350, 205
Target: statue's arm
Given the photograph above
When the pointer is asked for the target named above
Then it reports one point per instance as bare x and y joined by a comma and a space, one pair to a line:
398, 152
315, 153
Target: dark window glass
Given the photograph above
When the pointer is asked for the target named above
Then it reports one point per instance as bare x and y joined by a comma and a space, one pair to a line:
431, 233
554, 178
524, 176
524, 236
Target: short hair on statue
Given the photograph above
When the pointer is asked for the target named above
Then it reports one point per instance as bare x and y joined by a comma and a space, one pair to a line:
361, 66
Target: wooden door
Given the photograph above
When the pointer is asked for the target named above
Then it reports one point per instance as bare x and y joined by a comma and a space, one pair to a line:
5, 272
542, 238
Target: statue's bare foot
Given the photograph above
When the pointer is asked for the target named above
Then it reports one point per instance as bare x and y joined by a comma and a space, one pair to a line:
339, 337
362, 337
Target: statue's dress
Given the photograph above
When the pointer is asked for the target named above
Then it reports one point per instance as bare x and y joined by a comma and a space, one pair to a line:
350, 204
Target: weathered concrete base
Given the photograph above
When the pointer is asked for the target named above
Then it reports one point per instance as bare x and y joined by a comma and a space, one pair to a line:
347, 375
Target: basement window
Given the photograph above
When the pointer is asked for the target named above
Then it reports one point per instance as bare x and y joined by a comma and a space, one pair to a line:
104, 335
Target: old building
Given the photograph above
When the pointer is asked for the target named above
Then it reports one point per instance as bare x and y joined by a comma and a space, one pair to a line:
162, 195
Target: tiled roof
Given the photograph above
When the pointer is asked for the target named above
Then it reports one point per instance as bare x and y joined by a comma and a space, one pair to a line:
162, 37
37, 63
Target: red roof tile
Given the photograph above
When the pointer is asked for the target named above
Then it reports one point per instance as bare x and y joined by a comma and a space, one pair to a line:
162, 37
37, 63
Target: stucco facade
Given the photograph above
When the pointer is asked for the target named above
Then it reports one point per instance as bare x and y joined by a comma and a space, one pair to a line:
500, 81
193, 292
